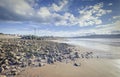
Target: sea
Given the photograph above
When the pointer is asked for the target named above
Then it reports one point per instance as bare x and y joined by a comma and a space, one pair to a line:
110, 46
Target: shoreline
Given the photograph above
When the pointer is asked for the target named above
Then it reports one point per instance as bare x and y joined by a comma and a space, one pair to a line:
75, 56
99, 53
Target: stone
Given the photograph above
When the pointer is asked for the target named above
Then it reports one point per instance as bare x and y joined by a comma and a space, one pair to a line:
17, 57
77, 64
77, 55
1, 69
14, 71
5, 67
39, 65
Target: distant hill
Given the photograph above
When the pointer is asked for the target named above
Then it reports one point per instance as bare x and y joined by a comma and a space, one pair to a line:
100, 36
31, 37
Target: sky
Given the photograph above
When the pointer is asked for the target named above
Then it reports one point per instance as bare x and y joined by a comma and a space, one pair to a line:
60, 17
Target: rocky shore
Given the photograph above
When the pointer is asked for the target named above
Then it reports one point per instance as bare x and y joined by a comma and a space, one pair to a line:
17, 54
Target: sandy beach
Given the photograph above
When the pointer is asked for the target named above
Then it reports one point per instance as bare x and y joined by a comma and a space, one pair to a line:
88, 68
93, 63
104, 66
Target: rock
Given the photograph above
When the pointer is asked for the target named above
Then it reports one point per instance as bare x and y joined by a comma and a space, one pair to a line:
77, 64
29, 62
17, 57
1, 51
23, 64
5, 67
21, 53
39, 64
14, 71
50, 60
1, 69
77, 55
6, 62
82, 55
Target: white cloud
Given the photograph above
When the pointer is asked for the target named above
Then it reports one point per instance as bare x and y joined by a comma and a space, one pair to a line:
60, 6
116, 17
67, 19
88, 16
101, 29
91, 15
43, 12
107, 28
97, 6
110, 4
20, 7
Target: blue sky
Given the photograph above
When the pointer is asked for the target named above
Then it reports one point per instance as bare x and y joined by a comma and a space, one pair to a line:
60, 17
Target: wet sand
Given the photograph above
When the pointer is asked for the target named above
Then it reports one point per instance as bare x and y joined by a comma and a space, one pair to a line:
88, 68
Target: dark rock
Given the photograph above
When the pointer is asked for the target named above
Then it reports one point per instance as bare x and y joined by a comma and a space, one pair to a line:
50, 61
14, 71
77, 55
1, 69
39, 64
77, 64
5, 67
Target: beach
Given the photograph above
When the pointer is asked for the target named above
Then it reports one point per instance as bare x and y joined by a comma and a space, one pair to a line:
88, 68
59, 38
107, 65
56, 58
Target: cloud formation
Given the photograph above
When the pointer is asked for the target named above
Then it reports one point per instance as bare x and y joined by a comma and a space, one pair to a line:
110, 4
56, 14
91, 15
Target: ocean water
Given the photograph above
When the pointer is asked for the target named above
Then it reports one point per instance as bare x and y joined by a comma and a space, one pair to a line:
106, 46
